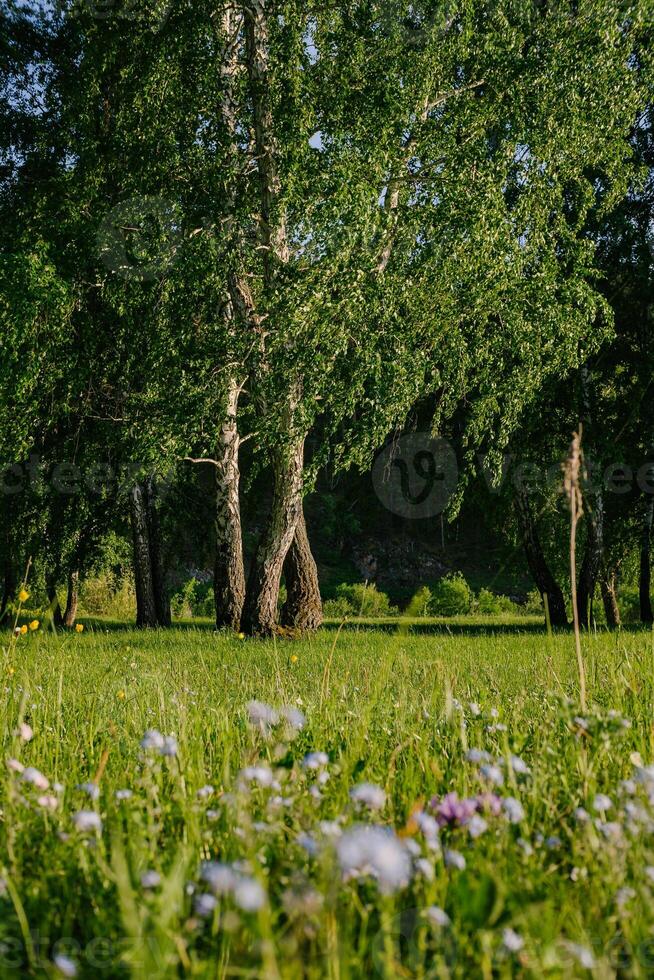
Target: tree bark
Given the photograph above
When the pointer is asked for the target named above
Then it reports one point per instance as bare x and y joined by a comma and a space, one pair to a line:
645, 582
146, 610
303, 607
8, 586
260, 610
229, 573
592, 563
72, 599
161, 600
540, 570
53, 599
610, 598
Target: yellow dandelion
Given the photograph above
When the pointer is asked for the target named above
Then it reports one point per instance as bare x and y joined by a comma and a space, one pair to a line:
23, 630
121, 695
23, 596
294, 658
79, 628
11, 671
34, 625
241, 636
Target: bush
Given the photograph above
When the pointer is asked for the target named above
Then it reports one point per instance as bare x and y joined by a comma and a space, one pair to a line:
534, 604
337, 608
452, 597
105, 595
420, 604
193, 599
491, 604
363, 600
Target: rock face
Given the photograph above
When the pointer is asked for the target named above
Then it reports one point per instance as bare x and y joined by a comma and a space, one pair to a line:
396, 562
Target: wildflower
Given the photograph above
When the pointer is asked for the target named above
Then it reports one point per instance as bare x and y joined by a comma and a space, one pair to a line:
15, 765
582, 955
249, 895
519, 766
34, 625
23, 630
219, 877
437, 916
205, 905
511, 941
474, 709
424, 868
123, 794
87, 821
121, 695
204, 792
308, 844
513, 809
602, 803
92, 790
36, 778
477, 826
25, 732
489, 803
23, 595
48, 802
169, 747
294, 717
369, 795
452, 810
150, 879
262, 716
623, 896
525, 846
240, 636
314, 760
453, 859
477, 756
294, 658
649, 871
261, 775
581, 815
553, 842
17, 631
79, 628
152, 740
377, 852
493, 774
65, 965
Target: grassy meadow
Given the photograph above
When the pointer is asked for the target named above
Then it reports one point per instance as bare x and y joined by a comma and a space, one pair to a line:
166, 809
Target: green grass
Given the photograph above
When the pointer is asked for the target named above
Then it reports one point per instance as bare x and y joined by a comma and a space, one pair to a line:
384, 708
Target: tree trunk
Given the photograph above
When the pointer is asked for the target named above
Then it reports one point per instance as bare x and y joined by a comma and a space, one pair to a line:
53, 599
161, 600
70, 615
260, 610
303, 607
540, 570
229, 573
610, 599
592, 563
8, 586
146, 610
645, 584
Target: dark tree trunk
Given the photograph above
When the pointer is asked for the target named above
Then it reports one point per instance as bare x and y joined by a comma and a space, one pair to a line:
229, 573
591, 564
610, 598
8, 586
540, 570
55, 608
146, 611
303, 607
645, 583
260, 610
161, 600
70, 614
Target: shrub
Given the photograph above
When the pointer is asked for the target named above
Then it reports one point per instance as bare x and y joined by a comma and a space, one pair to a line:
337, 608
491, 604
420, 604
365, 600
534, 604
193, 599
452, 596
105, 595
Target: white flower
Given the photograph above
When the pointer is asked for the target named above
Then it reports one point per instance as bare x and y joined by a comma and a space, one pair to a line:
152, 740
123, 794
477, 826
262, 716
649, 871
150, 879
377, 852
513, 809
454, 860
25, 732
249, 895
493, 774
169, 747
368, 795
315, 760
91, 790
425, 868
36, 778
87, 821
205, 905
204, 792
219, 877
581, 815
602, 803
476, 756
261, 775
519, 766
294, 717
437, 916
65, 965
48, 802
15, 765
511, 941
582, 955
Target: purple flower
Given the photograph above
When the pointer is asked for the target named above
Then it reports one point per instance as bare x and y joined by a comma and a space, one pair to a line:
452, 810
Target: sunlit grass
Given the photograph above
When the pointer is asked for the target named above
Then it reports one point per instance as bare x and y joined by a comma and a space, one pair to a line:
385, 708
